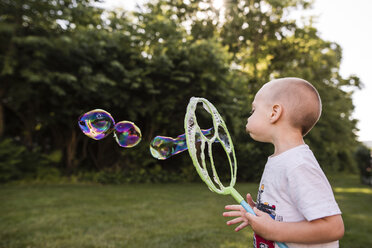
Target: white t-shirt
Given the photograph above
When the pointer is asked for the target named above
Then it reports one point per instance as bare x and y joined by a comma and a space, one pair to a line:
294, 188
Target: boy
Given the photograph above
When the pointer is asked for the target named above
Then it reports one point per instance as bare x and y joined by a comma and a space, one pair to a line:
295, 202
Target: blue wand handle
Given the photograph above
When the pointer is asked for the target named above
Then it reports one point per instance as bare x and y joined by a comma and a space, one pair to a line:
247, 207
250, 210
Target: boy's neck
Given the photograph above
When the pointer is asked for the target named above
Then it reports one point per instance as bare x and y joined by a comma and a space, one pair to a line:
287, 141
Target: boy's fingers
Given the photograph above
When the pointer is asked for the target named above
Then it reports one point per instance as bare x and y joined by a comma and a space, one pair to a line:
232, 214
241, 226
250, 200
235, 221
250, 217
233, 207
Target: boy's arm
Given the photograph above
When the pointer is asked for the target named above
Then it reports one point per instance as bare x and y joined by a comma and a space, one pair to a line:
321, 230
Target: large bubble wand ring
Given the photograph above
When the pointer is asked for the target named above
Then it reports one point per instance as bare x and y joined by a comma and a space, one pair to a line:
194, 135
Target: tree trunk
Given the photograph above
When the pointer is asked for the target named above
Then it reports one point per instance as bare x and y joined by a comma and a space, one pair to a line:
2, 120
71, 151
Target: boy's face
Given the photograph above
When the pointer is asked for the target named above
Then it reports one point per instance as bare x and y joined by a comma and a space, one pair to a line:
258, 123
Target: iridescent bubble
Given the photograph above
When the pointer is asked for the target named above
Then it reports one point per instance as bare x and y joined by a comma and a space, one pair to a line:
127, 134
162, 147
96, 124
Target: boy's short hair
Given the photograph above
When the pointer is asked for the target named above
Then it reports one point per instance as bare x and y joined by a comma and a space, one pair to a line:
301, 99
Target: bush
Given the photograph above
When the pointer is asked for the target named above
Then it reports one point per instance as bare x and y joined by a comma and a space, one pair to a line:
18, 163
364, 161
122, 176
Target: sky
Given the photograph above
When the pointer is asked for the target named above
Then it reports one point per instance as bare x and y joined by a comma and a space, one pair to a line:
348, 23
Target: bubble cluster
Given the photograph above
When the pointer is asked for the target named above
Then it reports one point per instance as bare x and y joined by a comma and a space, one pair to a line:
98, 124
162, 147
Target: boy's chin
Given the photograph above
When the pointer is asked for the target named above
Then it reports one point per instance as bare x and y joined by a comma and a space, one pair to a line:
254, 137
257, 138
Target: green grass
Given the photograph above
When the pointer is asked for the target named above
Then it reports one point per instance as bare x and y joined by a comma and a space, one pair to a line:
144, 215
355, 201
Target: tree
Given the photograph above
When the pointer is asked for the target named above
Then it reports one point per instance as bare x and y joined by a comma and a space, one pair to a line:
364, 160
60, 59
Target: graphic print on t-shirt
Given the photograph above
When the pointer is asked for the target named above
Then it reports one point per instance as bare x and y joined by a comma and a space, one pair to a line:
259, 242
264, 206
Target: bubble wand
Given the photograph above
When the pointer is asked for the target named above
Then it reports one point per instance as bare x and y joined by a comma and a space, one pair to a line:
194, 135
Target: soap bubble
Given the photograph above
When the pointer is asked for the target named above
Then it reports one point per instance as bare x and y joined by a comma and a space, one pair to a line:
96, 124
127, 134
162, 147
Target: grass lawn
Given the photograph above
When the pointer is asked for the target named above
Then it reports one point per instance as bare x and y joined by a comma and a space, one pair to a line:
145, 215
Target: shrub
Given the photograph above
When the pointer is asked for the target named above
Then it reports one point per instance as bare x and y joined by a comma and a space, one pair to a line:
19, 163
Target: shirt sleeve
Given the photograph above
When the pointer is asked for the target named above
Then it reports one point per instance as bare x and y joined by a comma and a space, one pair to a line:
311, 192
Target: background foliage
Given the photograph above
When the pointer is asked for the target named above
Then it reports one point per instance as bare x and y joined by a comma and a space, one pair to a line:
62, 58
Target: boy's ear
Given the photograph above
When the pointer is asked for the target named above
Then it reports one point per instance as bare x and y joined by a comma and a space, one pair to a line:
276, 113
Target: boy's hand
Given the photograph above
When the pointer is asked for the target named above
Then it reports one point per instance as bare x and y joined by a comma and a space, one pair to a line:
262, 224
239, 212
